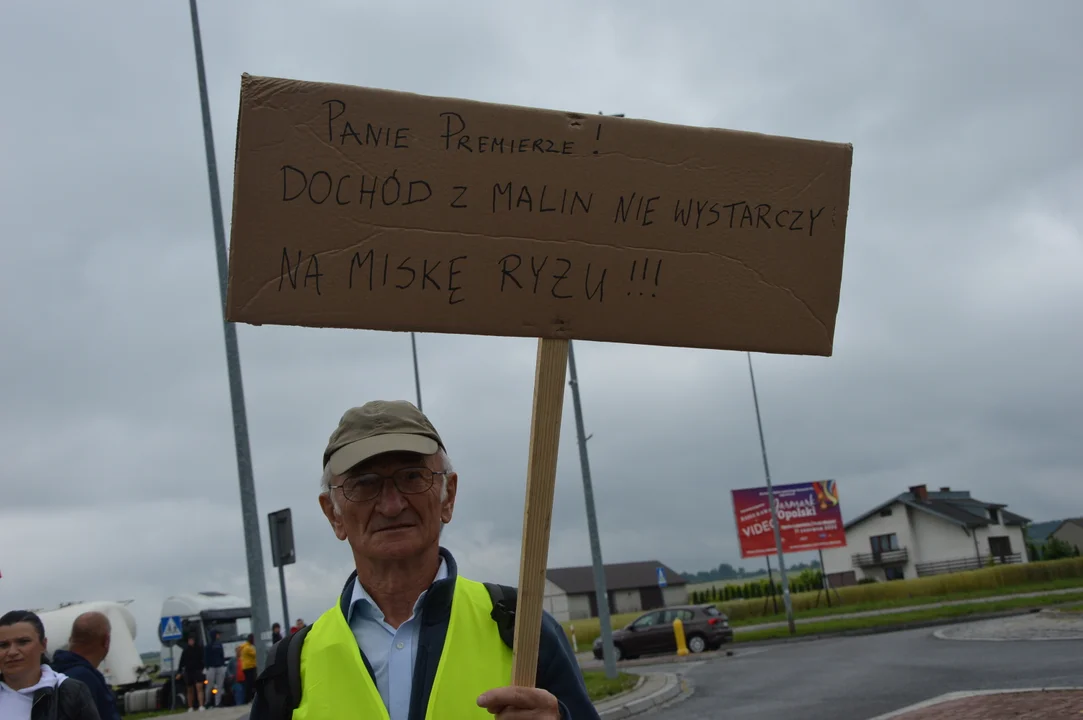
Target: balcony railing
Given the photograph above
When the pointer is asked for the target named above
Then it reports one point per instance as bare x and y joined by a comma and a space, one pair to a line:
885, 557
964, 564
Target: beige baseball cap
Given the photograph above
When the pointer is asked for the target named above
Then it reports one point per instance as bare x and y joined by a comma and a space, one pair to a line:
378, 427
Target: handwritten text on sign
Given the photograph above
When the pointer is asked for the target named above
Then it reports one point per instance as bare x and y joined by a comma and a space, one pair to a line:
372, 209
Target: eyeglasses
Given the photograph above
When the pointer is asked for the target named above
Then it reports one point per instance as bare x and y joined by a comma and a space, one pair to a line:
408, 481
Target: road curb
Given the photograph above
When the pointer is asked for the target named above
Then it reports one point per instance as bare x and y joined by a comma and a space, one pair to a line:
673, 687
961, 695
726, 649
897, 627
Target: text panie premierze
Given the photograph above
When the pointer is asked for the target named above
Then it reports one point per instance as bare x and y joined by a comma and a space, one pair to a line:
632, 208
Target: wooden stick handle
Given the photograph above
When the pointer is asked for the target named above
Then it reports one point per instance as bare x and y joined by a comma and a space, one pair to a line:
541, 477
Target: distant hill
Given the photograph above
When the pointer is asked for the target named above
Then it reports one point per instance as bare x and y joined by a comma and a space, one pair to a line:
1038, 533
725, 571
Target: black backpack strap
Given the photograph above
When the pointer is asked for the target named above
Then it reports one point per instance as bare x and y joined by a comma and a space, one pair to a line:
293, 663
278, 687
504, 601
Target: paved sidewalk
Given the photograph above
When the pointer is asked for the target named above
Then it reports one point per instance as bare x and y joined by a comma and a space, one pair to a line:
234, 712
1052, 704
1045, 625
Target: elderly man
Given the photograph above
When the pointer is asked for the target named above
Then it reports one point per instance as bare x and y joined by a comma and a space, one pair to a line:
433, 644
87, 647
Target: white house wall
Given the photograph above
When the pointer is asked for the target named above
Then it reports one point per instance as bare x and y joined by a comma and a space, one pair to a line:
941, 540
837, 560
675, 595
578, 607
1014, 534
555, 602
625, 601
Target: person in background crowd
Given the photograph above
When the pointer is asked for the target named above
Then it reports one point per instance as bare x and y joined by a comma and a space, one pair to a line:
87, 648
214, 662
30, 689
238, 680
246, 655
276, 633
297, 626
191, 669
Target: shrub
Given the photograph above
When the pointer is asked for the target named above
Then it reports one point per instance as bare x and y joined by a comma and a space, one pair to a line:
1056, 549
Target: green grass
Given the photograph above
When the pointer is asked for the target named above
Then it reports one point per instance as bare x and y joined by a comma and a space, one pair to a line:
915, 616
600, 687
836, 609
972, 585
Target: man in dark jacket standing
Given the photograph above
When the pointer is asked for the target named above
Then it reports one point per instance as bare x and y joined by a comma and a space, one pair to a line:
87, 648
214, 660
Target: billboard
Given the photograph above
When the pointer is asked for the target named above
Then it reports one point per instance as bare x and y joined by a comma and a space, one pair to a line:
809, 518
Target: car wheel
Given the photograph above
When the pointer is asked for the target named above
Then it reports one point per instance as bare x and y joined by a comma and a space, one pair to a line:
618, 654
697, 644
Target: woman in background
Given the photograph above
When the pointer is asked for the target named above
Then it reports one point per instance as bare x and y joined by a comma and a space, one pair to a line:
29, 688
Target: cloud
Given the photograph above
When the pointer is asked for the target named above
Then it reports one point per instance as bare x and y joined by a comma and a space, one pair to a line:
956, 356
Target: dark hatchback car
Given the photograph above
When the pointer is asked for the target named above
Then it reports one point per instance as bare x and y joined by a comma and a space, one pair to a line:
705, 628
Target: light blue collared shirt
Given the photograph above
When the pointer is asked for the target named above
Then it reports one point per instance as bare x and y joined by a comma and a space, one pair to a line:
391, 652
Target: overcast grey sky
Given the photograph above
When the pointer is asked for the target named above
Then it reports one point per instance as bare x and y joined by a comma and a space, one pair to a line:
957, 353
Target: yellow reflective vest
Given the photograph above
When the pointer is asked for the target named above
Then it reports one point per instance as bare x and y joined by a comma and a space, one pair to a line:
336, 684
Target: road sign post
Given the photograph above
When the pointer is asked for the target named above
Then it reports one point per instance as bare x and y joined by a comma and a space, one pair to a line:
170, 631
661, 577
282, 551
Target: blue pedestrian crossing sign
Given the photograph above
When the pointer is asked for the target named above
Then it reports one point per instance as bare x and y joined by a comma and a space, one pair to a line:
661, 577
169, 629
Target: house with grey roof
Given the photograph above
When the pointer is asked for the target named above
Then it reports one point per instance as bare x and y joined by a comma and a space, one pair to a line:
630, 587
922, 532
1071, 532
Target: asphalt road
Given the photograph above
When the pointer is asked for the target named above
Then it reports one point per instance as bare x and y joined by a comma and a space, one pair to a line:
858, 678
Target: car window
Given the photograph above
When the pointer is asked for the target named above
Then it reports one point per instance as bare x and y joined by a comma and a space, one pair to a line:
712, 611
687, 615
648, 620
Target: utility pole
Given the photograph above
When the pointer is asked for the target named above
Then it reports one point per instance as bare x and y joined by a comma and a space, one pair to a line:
417, 373
600, 591
786, 599
257, 585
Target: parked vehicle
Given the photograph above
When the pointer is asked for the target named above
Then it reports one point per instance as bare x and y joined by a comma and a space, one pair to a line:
138, 684
123, 667
201, 614
705, 628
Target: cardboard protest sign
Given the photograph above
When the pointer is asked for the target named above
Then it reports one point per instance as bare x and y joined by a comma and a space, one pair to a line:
361, 208
372, 209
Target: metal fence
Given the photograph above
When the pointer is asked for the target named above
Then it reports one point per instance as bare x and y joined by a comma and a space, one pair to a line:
963, 564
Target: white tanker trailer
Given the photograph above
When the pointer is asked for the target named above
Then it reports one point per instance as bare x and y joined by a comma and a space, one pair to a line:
138, 687
123, 667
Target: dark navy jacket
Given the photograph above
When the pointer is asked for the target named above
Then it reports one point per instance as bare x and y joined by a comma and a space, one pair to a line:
214, 655
558, 670
78, 667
